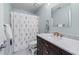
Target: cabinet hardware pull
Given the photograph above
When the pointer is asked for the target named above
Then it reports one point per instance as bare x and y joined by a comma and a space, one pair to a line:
47, 45
46, 52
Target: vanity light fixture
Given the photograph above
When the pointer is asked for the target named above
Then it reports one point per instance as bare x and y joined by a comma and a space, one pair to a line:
48, 4
36, 4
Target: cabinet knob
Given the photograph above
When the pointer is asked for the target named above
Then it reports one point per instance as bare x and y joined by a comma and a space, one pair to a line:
46, 52
46, 45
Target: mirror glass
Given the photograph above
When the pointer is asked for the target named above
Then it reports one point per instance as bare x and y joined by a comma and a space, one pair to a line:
61, 15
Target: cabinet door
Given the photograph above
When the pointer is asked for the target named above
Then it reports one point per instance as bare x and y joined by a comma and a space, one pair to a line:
49, 49
53, 50
65, 52
46, 48
39, 46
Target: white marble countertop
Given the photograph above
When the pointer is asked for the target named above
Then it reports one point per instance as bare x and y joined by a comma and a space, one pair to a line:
67, 44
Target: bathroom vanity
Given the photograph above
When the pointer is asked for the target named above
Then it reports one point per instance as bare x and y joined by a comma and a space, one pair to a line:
48, 45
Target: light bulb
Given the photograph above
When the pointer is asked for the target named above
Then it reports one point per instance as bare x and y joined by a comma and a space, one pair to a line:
48, 4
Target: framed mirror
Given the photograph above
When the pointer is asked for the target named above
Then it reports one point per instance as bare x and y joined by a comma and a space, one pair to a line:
61, 15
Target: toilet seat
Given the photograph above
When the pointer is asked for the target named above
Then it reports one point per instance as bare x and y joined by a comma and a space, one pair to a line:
33, 46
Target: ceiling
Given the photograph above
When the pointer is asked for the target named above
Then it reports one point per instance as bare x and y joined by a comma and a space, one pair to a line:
30, 7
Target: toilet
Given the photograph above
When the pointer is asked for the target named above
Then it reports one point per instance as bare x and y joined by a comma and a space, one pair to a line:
33, 47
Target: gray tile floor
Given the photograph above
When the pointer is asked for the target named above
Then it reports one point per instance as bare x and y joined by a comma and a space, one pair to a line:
23, 52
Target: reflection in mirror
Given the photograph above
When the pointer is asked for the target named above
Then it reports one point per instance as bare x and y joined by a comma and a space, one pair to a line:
61, 15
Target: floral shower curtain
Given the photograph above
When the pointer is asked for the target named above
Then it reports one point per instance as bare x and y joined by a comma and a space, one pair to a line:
24, 28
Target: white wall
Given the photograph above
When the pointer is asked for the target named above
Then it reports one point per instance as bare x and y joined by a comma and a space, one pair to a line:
1, 14
74, 29
1, 24
4, 19
7, 10
45, 14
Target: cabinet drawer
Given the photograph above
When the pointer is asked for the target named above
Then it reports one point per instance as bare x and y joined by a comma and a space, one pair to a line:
46, 45
39, 52
45, 50
54, 51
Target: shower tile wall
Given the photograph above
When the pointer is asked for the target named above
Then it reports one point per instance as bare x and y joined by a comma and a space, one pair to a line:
25, 28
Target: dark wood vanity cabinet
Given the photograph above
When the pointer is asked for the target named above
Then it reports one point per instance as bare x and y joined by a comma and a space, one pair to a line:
46, 48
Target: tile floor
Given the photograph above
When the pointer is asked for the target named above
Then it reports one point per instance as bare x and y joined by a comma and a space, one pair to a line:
23, 52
